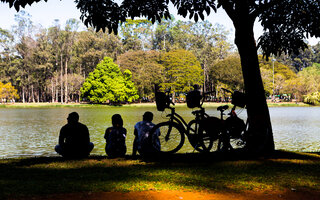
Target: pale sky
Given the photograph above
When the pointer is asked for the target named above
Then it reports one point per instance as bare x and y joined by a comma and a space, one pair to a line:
45, 13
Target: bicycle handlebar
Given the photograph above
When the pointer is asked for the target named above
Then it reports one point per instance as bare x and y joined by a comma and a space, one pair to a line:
226, 90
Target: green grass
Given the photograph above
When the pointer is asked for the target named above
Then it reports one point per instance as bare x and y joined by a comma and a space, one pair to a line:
41, 176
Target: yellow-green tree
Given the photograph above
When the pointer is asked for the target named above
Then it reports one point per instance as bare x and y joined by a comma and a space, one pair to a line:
181, 70
276, 77
227, 73
307, 84
146, 70
108, 84
8, 92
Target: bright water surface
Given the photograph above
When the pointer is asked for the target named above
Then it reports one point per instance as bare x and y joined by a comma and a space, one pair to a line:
34, 131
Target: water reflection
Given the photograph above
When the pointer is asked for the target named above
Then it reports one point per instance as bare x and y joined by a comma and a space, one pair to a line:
35, 131
296, 128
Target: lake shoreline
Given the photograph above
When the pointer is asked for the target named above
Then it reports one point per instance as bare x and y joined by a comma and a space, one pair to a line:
206, 104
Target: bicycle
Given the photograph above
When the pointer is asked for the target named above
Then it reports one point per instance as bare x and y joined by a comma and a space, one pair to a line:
173, 131
233, 129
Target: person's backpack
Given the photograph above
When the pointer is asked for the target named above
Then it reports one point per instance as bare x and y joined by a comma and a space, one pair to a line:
147, 146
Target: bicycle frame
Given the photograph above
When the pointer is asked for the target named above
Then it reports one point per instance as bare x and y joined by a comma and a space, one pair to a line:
175, 117
225, 137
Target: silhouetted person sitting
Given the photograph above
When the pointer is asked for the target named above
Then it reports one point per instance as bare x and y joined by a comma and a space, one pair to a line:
116, 138
142, 142
74, 139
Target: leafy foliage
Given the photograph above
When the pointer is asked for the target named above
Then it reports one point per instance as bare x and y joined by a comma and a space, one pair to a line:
286, 23
181, 70
308, 83
146, 69
108, 84
7, 92
280, 74
228, 72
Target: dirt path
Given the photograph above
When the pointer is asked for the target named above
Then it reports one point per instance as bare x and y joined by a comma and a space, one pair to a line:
179, 195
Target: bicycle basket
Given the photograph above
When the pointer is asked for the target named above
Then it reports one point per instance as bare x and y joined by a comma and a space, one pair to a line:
162, 101
193, 99
239, 99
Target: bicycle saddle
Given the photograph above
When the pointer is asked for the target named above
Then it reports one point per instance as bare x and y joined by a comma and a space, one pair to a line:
223, 108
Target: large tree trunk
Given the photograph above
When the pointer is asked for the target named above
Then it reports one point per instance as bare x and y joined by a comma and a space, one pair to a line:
260, 136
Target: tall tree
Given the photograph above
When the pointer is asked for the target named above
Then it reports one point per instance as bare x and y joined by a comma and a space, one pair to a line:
227, 72
6, 54
316, 53
91, 47
108, 84
162, 37
136, 34
56, 42
146, 69
182, 70
69, 37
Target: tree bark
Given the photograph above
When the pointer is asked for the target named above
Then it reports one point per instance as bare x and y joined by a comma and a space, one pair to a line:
32, 94
56, 88
260, 136
61, 76
52, 91
23, 95
66, 81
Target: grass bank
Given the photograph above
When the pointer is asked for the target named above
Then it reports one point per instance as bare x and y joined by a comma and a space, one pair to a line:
188, 172
57, 105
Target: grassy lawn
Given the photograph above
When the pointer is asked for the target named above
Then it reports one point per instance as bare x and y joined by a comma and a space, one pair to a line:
214, 172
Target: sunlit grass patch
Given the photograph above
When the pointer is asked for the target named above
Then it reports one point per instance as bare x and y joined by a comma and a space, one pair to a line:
37, 176
252, 185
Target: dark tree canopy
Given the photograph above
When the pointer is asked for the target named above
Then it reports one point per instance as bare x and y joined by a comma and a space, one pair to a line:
286, 23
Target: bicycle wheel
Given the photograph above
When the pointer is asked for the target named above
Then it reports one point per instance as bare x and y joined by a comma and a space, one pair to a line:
237, 143
171, 136
229, 143
217, 145
198, 137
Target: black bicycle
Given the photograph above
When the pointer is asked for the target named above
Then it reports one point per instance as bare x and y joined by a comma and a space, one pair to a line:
233, 129
172, 132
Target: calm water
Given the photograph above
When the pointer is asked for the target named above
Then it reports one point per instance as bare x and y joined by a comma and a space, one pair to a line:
35, 131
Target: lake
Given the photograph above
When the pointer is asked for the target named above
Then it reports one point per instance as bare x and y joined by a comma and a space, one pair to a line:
28, 132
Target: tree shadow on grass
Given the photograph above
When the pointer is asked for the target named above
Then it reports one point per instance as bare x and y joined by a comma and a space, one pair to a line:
188, 158
213, 157
214, 172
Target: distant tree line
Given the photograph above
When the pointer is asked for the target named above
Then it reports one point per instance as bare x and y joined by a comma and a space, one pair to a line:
59, 64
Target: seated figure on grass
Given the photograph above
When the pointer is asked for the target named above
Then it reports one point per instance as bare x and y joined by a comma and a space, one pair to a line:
74, 139
116, 138
142, 142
